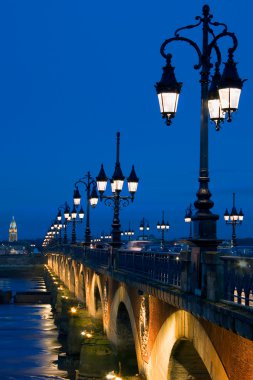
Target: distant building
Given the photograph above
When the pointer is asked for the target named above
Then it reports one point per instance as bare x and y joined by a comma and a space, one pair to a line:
13, 231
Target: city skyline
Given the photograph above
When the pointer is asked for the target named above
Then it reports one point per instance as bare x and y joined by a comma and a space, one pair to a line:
72, 76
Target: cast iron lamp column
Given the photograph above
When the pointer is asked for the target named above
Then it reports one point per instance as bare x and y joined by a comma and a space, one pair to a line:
58, 227
72, 218
47, 239
66, 213
53, 233
222, 98
116, 200
63, 223
188, 219
49, 236
162, 227
144, 225
234, 218
91, 200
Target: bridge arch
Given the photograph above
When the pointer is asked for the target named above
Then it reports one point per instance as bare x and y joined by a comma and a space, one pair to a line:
80, 286
121, 320
72, 278
179, 328
63, 274
95, 297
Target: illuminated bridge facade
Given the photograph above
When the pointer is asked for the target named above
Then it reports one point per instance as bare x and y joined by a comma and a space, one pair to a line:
179, 319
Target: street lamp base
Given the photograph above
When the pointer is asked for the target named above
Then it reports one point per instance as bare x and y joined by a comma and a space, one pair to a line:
204, 230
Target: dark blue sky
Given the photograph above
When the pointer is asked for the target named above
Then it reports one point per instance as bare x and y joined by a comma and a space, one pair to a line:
73, 73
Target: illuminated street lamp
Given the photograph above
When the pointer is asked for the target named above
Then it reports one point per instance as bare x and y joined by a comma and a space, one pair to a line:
129, 233
235, 219
91, 200
217, 115
116, 200
168, 90
188, 219
49, 237
163, 227
222, 98
73, 217
54, 232
63, 221
105, 237
57, 226
144, 226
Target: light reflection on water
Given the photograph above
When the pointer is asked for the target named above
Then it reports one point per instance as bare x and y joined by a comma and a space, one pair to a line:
22, 284
28, 338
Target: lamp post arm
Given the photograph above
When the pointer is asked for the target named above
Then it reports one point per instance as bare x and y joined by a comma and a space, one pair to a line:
219, 24
123, 197
81, 180
110, 200
192, 43
87, 184
218, 55
221, 35
189, 26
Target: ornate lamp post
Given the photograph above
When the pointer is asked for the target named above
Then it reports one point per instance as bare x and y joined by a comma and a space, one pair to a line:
52, 233
57, 228
116, 200
72, 218
49, 237
163, 227
91, 200
221, 99
129, 233
144, 225
188, 219
234, 218
62, 223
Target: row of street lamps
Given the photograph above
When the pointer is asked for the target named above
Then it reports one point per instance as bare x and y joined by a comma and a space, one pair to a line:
219, 100
115, 200
233, 218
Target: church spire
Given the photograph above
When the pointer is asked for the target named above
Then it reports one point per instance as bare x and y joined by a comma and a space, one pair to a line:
13, 231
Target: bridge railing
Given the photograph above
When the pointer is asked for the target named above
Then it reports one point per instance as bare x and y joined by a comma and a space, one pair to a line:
161, 267
99, 257
234, 278
238, 280
164, 268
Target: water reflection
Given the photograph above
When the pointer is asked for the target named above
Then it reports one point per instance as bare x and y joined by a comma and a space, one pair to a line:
28, 337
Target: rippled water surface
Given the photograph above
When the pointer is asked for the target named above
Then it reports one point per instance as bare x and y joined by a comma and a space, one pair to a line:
28, 336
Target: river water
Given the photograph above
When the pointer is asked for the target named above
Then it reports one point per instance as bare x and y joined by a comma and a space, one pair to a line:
28, 336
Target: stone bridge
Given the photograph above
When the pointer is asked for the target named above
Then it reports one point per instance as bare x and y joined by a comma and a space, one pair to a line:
159, 318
